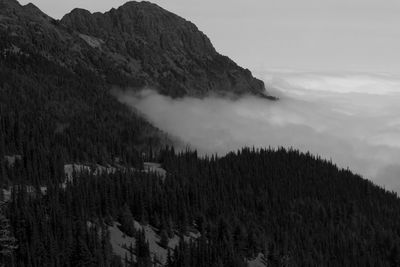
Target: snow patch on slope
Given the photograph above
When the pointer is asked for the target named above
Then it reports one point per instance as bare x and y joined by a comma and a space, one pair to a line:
96, 169
259, 261
121, 243
92, 41
12, 159
155, 168
6, 193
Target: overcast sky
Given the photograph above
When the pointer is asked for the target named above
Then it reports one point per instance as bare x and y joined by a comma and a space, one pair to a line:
356, 35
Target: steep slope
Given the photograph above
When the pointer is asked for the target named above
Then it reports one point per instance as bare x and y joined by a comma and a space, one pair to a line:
54, 105
55, 78
281, 208
136, 45
169, 52
55, 109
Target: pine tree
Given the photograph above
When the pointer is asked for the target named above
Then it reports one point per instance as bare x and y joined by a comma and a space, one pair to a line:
127, 221
8, 244
164, 239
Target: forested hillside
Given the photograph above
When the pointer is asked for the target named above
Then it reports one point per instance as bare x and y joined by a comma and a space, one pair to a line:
72, 158
294, 208
49, 111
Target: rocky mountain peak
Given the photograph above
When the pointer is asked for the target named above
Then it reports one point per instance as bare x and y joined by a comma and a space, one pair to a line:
35, 12
176, 57
134, 46
11, 8
145, 22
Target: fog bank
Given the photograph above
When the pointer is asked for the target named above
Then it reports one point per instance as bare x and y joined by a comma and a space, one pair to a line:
353, 119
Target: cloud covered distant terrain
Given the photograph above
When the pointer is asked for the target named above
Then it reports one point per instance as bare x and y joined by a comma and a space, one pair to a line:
353, 119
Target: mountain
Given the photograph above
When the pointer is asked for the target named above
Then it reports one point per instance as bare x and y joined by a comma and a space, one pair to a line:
85, 181
56, 77
53, 99
137, 45
175, 56
262, 207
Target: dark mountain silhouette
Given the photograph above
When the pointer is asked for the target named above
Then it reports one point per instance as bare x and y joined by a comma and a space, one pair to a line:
139, 44
170, 52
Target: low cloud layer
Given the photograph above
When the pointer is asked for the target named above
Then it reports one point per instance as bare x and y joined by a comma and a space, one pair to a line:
353, 119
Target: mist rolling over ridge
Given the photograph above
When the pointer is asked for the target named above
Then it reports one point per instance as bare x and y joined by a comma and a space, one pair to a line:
101, 114
352, 119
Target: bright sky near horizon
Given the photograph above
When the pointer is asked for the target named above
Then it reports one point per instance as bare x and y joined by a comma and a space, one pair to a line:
315, 35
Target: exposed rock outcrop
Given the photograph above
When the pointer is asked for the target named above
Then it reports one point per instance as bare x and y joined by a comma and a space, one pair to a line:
137, 45
177, 58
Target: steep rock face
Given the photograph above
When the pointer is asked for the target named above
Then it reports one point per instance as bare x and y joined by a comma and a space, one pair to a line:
135, 46
166, 51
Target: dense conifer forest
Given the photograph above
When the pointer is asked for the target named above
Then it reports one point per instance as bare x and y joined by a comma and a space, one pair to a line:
296, 209
48, 110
